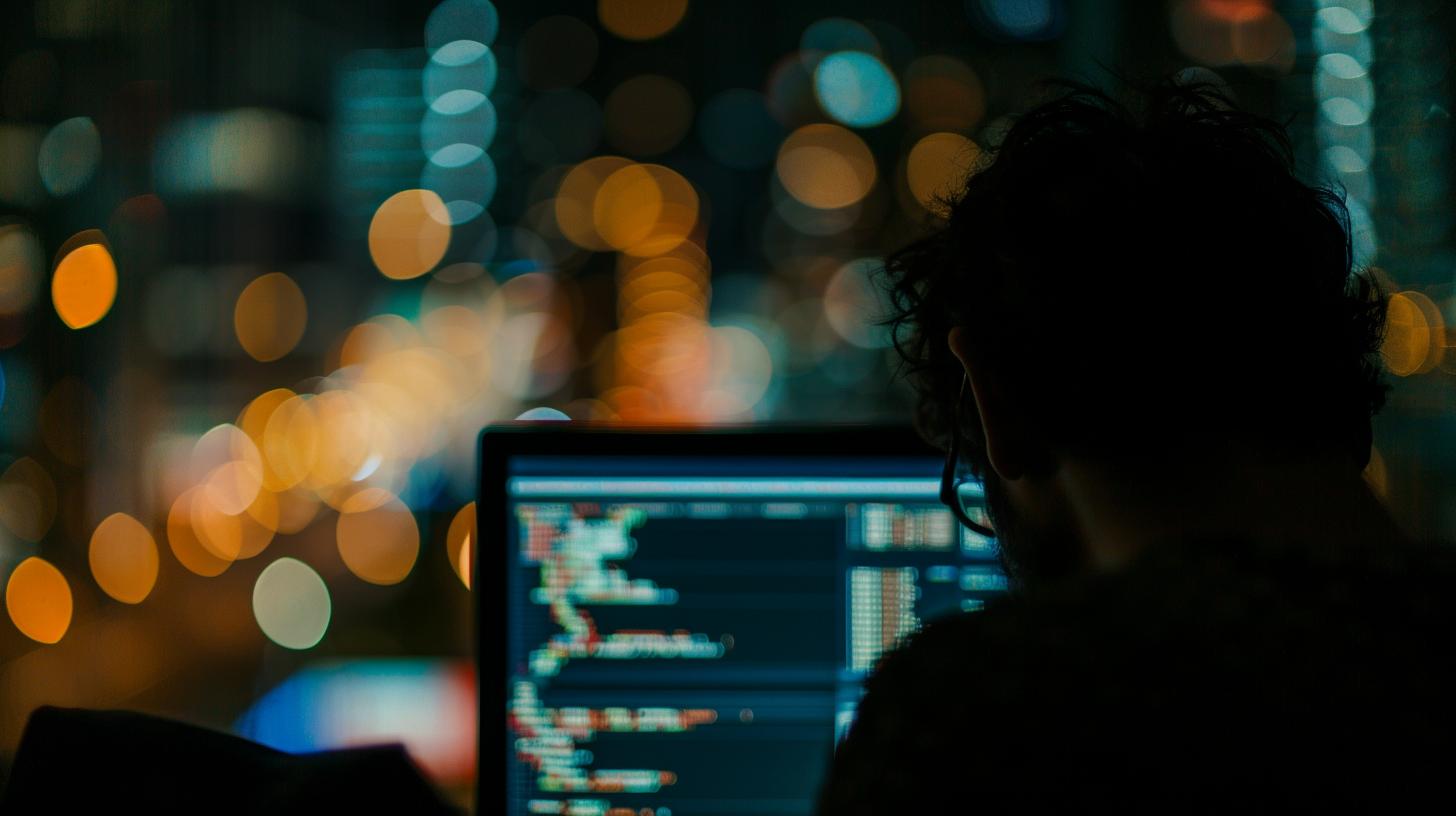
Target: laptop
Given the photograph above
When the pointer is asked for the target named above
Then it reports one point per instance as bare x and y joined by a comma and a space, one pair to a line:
680, 621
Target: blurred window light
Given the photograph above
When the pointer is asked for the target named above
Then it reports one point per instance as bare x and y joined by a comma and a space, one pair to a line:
270, 316
409, 234
452, 140
27, 500
84, 284
826, 166
838, 34
377, 537
1017, 19
855, 305
1344, 111
465, 188
123, 558
641, 19
1344, 16
942, 93
21, 265
460, 65
856, 89
1345, 160
648, 115
291, 604
458, 101
556, 52
69, 155
737, 130
1345, 97
38, 598
455, 20
1341, 66
937, 167
249, 150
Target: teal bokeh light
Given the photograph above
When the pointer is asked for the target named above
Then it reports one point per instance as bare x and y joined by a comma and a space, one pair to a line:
856, 89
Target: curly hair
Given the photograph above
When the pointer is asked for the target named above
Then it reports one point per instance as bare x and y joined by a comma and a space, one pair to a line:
1136, 274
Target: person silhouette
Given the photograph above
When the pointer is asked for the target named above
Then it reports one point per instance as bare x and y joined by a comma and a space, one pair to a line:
1147, 337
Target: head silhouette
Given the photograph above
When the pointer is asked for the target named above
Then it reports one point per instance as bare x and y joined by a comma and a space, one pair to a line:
1128, 283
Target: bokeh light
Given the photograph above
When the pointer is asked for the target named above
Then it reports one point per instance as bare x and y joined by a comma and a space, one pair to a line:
377, 537
38, 598
84, 285
185, 541
856, 89
455, 20
826, 166
68, 156
123, 558
543, 414
291, 604
27, 500
575, 200
409, 234
458, 540
837, 34
943, 93
645, 209
855, 304
1017, 19
21, 265
1229, 32
640, 19
1415, 334
937, 166
648, 115
270, 316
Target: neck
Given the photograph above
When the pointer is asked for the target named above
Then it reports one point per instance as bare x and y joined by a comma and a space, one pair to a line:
1231, 493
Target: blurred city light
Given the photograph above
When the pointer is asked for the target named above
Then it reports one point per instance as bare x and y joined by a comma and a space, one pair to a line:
123, 558
84, 284
38, 598
291, 604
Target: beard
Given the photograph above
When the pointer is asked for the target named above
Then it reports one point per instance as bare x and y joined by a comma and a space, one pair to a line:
1031, 550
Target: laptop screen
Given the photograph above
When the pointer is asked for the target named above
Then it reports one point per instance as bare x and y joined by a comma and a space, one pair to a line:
690, 635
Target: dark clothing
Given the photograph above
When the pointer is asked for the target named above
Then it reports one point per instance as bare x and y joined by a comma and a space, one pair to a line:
1205, 676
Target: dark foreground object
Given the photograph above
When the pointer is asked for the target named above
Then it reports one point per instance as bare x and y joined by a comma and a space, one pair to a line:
1212, 676
78, 761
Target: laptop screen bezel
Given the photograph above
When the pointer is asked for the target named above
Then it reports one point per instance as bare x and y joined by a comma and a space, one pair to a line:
499, 443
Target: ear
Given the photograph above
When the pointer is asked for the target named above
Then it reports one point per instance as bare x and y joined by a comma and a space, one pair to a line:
1000, 428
